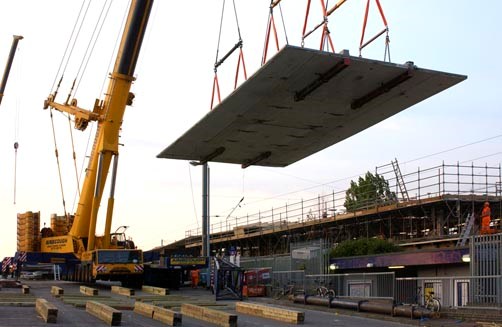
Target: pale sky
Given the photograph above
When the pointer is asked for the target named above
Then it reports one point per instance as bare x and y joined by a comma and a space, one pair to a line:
156, 197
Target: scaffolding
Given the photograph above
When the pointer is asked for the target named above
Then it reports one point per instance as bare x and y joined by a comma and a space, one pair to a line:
457, 186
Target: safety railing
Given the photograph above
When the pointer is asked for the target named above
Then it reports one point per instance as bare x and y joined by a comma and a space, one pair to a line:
422, 185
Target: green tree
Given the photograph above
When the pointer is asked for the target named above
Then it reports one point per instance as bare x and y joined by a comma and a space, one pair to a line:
363, 246
370, 191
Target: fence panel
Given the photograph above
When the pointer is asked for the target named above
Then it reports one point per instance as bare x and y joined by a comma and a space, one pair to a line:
465, 291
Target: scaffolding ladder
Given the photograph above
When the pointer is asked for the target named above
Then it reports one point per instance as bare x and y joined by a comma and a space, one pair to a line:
400, 180
466, 231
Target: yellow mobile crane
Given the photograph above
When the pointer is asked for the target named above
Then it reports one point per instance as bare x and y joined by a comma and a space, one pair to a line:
104, 257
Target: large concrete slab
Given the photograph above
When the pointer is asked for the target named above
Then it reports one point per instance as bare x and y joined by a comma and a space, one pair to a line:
301, 102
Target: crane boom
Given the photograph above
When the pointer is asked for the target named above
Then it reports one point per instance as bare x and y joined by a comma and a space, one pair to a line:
108, 114
10, 59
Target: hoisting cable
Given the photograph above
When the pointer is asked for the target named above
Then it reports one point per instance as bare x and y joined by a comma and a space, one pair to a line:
82, 167
241, 54
326, 14
74, 155
238, 45
283, 24
57, 160
59, 83
385, 30
97, 32
326, 37
92, 123
271, 26
80, 79
68, 46
216, 85
16, 146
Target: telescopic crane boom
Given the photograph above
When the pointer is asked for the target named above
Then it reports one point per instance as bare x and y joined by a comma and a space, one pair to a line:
94, 252
108, 114
9, 64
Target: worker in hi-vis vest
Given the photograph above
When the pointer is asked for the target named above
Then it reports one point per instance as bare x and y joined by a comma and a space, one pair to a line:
486, 219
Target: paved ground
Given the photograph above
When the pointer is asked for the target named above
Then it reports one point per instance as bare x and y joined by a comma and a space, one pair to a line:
69, 315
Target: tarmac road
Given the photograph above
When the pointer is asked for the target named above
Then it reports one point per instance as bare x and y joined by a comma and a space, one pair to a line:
68, 315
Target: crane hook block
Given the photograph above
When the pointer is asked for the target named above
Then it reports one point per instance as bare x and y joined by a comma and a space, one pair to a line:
16, 145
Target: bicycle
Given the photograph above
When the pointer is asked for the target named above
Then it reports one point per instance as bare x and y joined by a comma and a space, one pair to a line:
285, 290
432, 302
323, 291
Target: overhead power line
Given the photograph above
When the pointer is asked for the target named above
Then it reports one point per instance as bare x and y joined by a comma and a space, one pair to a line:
406, 162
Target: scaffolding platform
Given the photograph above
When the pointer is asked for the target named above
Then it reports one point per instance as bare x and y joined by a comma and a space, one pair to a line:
302, 101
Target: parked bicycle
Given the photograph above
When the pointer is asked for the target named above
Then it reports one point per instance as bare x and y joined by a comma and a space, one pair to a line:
284, 291
287, 291
323, 291
431, 302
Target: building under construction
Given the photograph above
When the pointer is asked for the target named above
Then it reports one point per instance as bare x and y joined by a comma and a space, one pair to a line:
434, 218
433, 207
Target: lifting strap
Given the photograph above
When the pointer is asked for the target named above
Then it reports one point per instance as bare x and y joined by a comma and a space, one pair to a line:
385, 30
271, 27
326, 41
238, 45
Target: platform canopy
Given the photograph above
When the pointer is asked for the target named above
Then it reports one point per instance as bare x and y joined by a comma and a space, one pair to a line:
302, 101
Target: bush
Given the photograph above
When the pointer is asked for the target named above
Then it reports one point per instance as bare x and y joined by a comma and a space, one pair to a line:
363, 246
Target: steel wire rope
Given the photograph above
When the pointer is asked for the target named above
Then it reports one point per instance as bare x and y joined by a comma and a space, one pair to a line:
283, 24
325, 40
68, 45
69, 116
17, 119
237, 21
93, 40
269, 27
357, 175
78, 84
101, 92
55, 93
219, 36
57, 161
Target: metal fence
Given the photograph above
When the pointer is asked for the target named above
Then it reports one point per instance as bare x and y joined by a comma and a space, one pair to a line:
276, 263
486, 255
466, 291
283, 279
360, 285
420, 185
461, 291
312, 257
